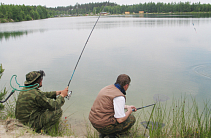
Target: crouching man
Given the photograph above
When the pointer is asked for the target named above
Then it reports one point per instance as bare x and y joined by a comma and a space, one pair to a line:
39, 110
107, 114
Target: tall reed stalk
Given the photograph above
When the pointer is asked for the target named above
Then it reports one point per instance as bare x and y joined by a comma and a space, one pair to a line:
184, 119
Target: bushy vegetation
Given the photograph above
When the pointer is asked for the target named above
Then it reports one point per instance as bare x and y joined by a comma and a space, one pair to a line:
19, 13
7, 109
2, 94
1, 70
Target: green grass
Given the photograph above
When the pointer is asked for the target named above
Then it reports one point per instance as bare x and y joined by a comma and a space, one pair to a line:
183, 118
61, 128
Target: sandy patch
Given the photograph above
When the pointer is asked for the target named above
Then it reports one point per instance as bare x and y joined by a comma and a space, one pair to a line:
11, 128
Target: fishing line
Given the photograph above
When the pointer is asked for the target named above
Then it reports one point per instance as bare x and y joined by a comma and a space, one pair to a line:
157, 98
85, 46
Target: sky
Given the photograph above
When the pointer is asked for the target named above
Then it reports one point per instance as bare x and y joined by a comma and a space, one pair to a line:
55, 3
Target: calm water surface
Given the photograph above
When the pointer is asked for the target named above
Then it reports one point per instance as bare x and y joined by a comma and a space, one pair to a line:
162, 55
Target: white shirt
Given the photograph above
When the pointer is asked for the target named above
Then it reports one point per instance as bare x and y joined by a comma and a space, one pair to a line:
119, 106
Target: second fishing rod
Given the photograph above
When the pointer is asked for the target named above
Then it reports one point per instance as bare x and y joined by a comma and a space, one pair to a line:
70, 92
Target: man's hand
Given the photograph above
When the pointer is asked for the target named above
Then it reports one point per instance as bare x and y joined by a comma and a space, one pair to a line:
58, 93
129, 111
133, 108
64, 92
128, 107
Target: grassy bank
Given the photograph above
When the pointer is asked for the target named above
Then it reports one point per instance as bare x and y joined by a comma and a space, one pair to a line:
183, 118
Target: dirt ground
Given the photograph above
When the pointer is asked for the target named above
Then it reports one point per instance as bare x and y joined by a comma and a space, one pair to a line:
11, 128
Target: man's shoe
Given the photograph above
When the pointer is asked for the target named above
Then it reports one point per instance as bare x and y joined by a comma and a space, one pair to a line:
101, 135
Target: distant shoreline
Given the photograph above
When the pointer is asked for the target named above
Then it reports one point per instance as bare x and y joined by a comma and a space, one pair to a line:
169, 13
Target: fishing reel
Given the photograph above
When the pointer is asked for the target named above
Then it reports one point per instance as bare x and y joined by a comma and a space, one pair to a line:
69, 95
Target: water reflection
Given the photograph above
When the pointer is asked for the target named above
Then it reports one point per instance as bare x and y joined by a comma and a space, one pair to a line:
121, 21
162, 22
14, 34
164, 15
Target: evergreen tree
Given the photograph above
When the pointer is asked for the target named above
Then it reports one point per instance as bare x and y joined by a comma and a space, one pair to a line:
2, 94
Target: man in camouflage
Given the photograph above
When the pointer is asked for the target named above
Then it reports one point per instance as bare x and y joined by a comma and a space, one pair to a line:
39, 110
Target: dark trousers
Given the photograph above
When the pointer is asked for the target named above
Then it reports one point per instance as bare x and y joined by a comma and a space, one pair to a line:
118, 128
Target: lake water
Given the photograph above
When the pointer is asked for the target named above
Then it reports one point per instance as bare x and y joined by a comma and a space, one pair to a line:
168, 55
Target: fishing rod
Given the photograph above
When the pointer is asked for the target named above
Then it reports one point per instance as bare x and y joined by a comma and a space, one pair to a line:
70, 92
157, 98
144, 107
8, 96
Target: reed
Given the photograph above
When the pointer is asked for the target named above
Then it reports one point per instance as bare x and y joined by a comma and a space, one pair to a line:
183, 119
90, 131
61, 128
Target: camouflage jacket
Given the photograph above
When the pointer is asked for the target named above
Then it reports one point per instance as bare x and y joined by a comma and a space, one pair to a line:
30, 104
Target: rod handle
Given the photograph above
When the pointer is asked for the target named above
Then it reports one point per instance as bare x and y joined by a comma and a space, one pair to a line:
143, 107
8, 96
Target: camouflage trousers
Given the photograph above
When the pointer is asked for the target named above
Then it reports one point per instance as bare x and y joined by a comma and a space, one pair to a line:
46, 120
118, 128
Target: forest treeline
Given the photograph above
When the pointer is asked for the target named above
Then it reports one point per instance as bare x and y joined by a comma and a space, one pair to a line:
19, 13
150, 7
24, 13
